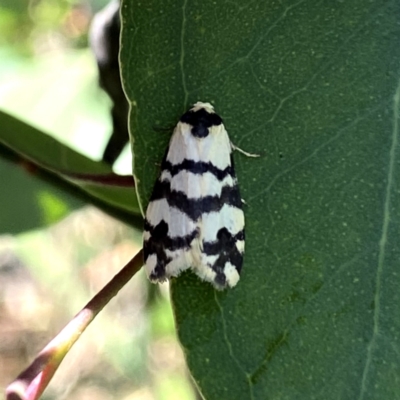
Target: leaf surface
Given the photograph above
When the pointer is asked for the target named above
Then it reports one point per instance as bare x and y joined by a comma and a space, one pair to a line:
313, 87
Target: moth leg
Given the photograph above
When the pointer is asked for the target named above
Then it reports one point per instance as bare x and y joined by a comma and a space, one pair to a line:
244, 152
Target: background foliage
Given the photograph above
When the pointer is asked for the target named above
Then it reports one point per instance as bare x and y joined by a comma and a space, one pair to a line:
54, 254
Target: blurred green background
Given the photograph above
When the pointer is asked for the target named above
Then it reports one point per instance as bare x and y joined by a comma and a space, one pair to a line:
48, 75
48, 78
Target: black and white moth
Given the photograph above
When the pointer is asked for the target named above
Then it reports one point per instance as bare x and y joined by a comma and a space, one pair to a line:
194, 218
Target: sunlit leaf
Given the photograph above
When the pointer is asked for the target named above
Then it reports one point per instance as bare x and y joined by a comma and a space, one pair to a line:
45, 152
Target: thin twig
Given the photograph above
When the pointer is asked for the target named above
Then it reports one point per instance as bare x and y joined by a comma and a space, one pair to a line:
30, 384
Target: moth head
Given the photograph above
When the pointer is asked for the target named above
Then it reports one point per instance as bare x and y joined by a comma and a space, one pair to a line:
201, 117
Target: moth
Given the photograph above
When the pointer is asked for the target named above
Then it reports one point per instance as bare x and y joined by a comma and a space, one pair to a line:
194, 218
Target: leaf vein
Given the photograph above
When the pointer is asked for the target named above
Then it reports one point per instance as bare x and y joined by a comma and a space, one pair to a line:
383, 242
230, 350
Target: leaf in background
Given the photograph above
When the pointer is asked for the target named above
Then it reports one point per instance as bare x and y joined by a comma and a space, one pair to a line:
314, 87
47, 152
27, 202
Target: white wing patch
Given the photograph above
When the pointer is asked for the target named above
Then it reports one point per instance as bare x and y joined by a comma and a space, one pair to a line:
195, 218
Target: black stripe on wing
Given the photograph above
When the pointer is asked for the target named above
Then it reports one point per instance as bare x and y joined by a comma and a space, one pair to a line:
159, 237
159, 242
227, 251
194, 208
198, 168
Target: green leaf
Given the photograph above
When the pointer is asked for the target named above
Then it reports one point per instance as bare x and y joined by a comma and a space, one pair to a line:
55, 157
28, 202
314, 88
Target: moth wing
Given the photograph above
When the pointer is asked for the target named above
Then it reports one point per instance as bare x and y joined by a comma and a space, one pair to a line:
169, 233
221, 246
218, 253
